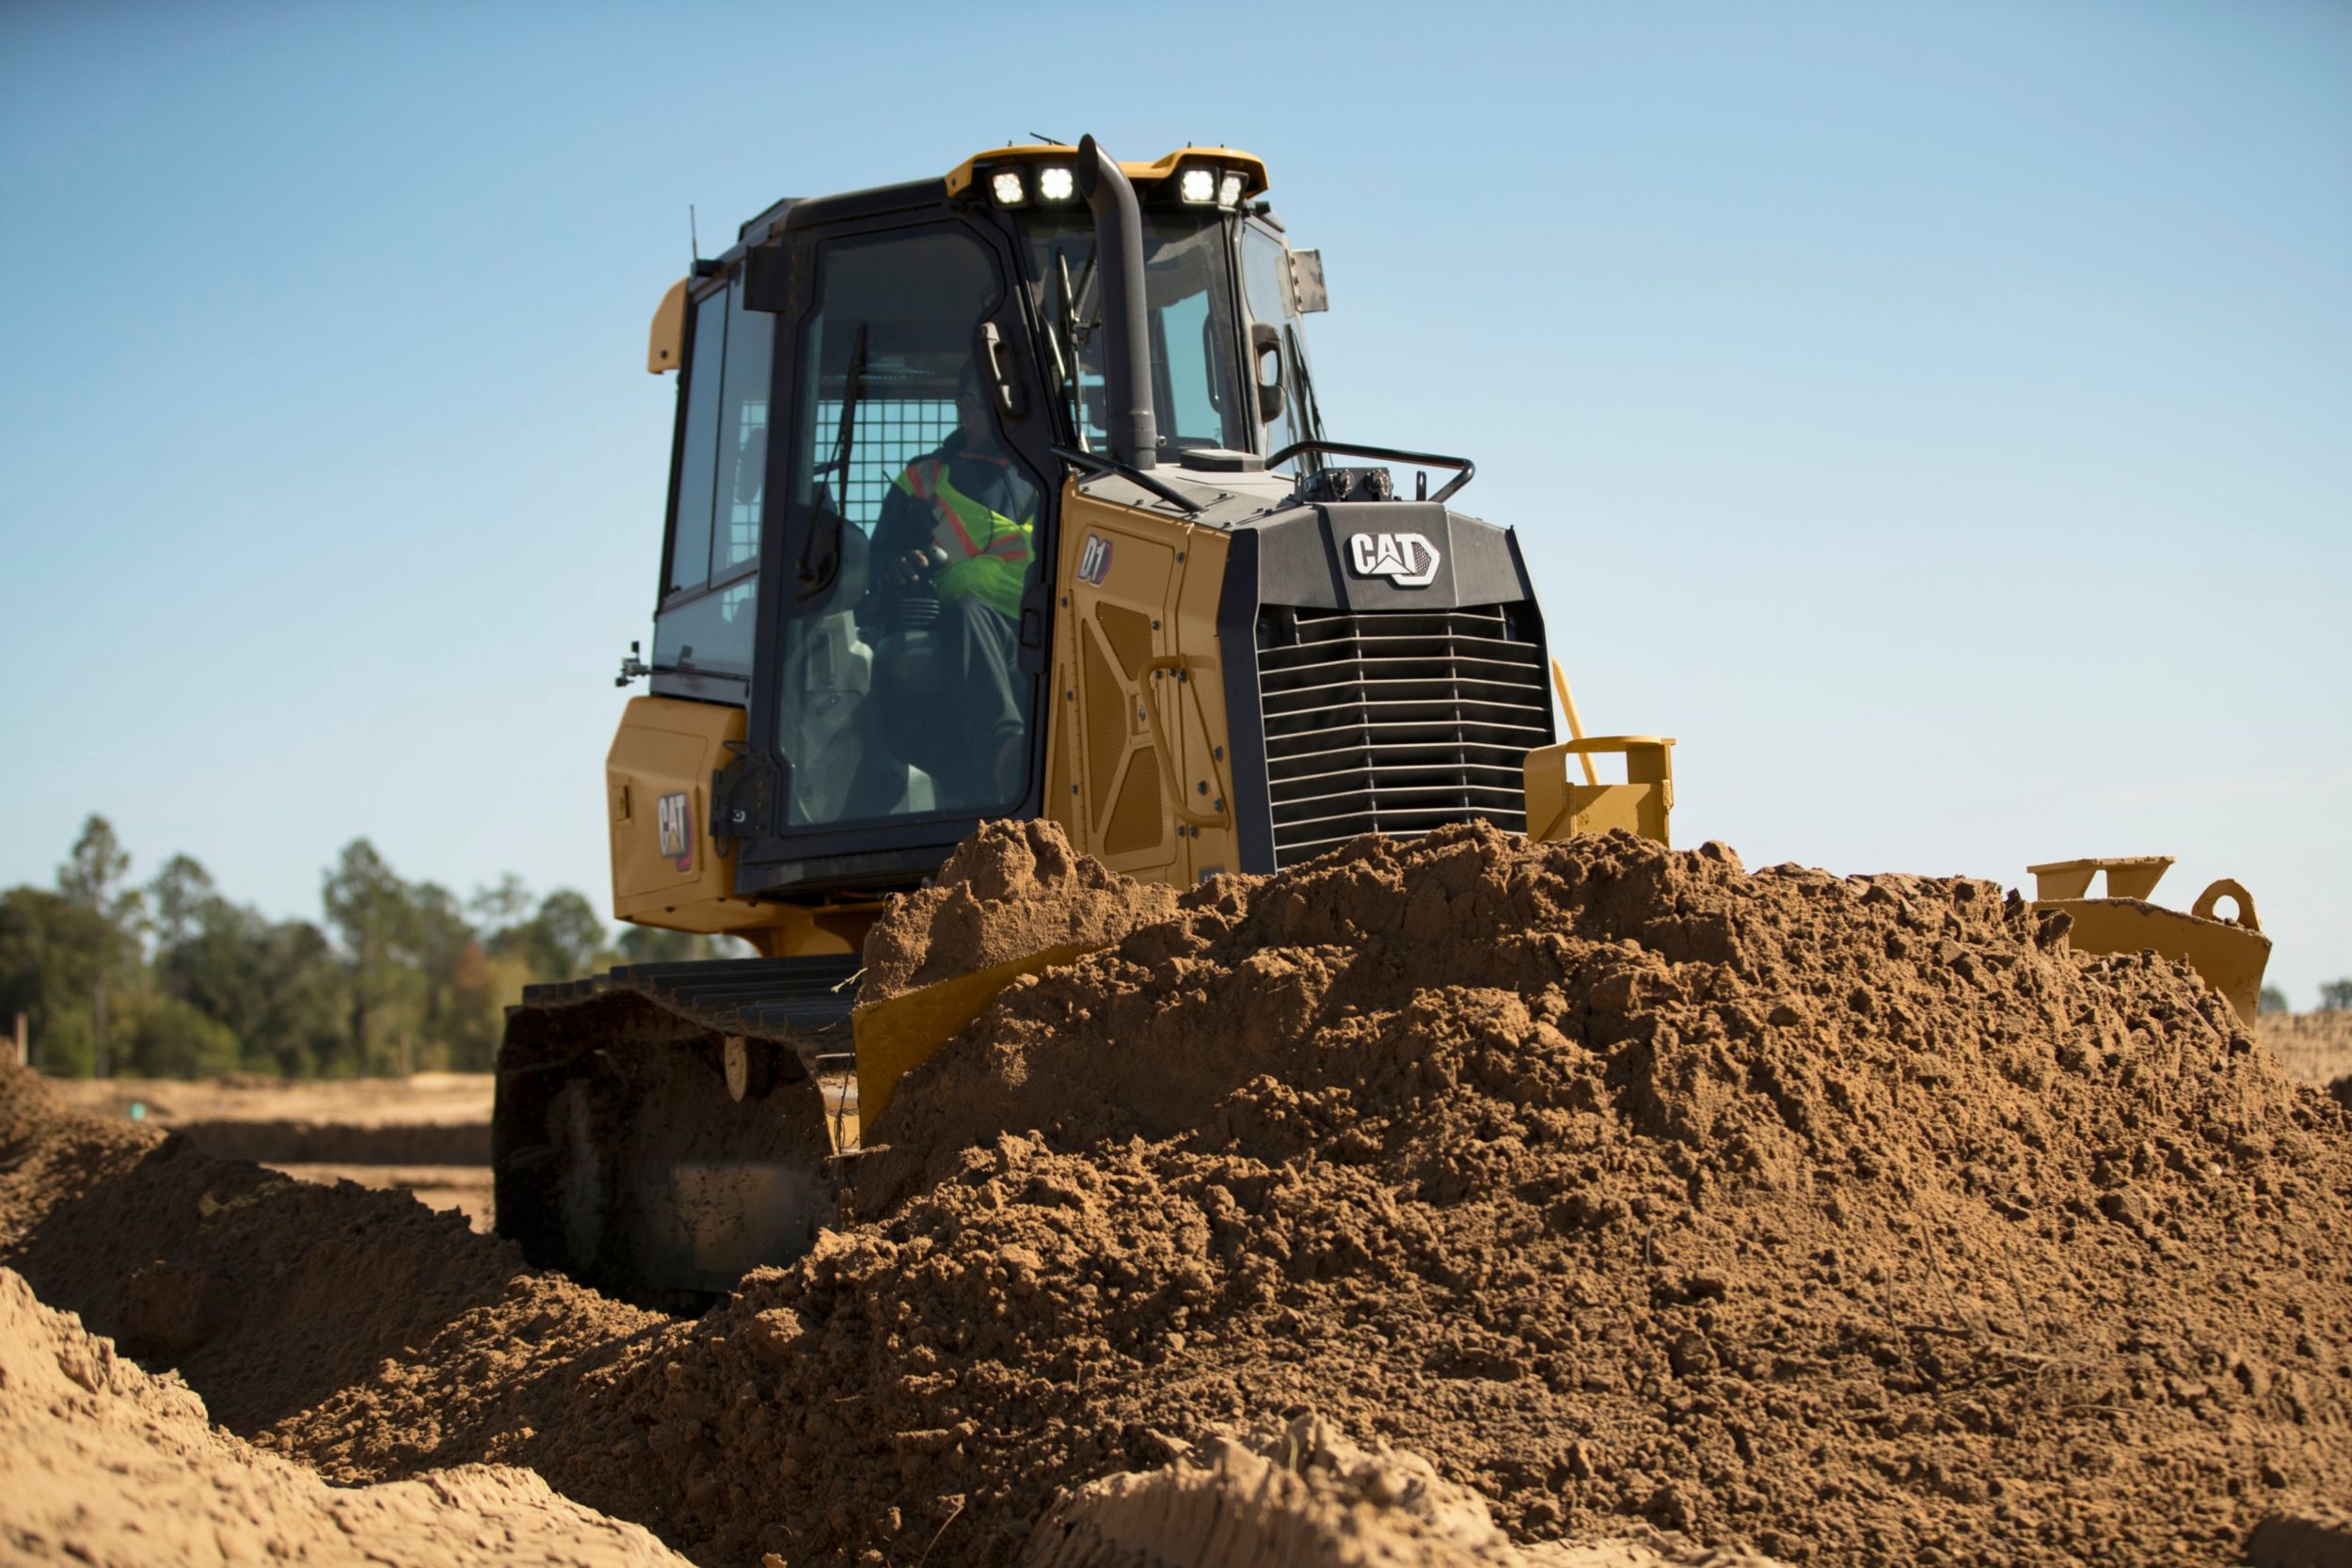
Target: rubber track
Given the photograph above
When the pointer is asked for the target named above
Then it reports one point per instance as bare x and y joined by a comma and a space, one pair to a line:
636, 1018
805, 1002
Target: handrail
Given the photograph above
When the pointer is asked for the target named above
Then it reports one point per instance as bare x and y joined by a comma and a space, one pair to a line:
1393, 454
1103, 465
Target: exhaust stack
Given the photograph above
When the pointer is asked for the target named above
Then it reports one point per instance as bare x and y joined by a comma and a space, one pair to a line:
1119, 260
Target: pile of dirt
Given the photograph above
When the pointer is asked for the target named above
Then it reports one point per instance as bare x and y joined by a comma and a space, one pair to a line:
1304, 1497
1010, 890
269, 1294
102, 1463
1846, 1219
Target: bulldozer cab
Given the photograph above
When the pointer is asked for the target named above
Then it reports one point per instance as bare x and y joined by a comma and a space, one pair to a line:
865, 487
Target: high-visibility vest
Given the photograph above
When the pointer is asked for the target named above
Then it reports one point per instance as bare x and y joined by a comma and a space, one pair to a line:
988, 553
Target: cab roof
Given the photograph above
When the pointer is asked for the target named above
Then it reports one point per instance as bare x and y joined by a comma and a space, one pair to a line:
1247, 165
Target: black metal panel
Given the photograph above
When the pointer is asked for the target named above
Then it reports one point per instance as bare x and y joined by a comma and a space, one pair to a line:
1396, 721
1359, 704
1237, 644
1306, 559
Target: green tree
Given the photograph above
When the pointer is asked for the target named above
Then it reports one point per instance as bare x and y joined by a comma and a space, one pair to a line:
2336, 996
278, 987
177, 896
299, 1026
439, 937
171, 1038
2272, 1000
48, 957
501, 907
369, 910
95, 881
567, 937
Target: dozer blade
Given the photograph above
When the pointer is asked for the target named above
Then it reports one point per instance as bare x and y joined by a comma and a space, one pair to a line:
663, 1128
2231, 954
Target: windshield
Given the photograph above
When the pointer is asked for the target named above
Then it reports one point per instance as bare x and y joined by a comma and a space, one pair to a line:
1197, 395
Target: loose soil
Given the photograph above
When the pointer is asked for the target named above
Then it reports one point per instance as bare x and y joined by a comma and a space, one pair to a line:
103, 1464
1848, 1219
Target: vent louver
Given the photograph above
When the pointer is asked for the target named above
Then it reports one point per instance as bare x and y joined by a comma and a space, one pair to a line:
1396, 721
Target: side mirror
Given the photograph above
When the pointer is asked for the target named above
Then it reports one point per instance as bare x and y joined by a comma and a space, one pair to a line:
1265, 359
1307, 290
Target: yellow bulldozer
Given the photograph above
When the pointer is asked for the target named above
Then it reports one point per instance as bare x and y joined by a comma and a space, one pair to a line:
1005, 493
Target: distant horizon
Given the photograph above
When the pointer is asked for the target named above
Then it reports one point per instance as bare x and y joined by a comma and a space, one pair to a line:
1933, 419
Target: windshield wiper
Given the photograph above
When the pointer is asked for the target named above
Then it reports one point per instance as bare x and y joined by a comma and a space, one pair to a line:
1080, 333
816, 570
1306, 384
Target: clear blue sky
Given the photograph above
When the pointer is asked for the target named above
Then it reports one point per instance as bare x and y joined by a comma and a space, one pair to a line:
1940, 419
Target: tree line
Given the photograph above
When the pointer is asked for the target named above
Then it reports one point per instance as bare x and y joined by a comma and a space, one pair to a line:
170, 979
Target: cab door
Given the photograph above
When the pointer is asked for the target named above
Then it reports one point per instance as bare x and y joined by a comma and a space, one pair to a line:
897, 701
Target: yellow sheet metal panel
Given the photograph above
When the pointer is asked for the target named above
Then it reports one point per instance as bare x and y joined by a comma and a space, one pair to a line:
1142, 771
665, 343
667, 869
2232, 957
897, 1036
2128, 876
1643, 804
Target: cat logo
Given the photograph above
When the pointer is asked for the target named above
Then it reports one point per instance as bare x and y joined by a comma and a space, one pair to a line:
1408, 560
675, 825
1094, 561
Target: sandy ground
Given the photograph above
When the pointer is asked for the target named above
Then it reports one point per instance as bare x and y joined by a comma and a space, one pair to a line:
427, 1135
104, 1464
2314, 1047
427, 1099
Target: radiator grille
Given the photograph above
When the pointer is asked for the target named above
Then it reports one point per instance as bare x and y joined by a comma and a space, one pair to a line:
1396, 721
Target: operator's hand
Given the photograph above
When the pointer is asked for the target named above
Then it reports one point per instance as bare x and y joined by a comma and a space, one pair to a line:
910, 568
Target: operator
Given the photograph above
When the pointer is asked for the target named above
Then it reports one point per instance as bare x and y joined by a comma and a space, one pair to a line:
961, 518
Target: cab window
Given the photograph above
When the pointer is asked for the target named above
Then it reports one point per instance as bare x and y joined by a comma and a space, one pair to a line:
704, 624
1265, 289
913, 545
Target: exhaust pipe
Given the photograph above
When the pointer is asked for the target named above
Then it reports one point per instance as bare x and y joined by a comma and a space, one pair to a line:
1135, 439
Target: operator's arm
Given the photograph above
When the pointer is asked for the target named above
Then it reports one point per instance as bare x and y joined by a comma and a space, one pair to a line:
902, 536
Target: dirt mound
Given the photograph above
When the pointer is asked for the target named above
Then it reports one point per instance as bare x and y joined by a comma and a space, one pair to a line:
102, 1463
1307, 1497
1844, 1218
1009, 890
269, 1294
1849, 1219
